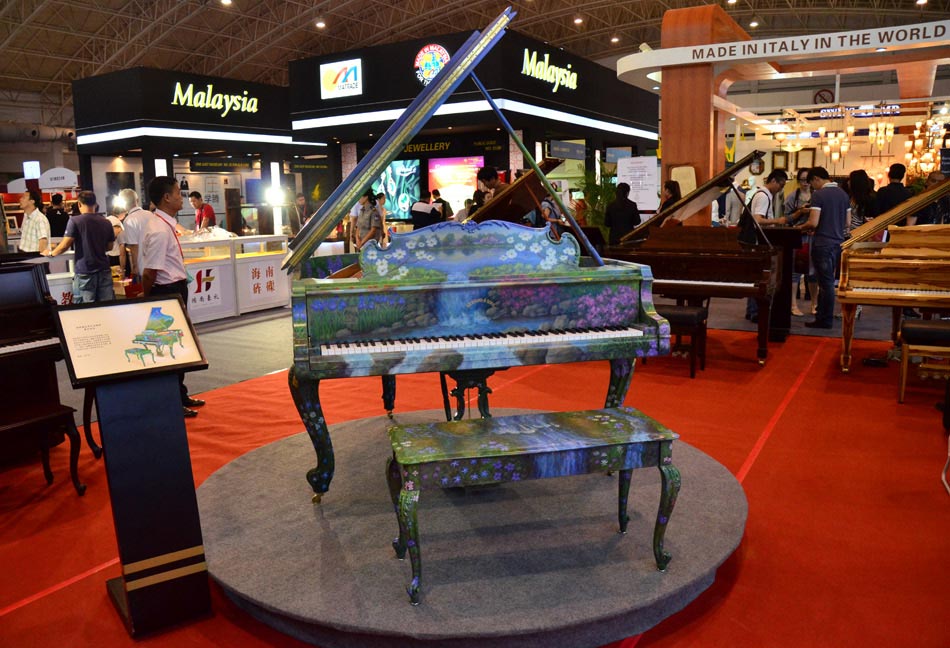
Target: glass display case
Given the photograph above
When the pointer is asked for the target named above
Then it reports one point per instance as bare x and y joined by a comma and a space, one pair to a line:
211, 292
260, 281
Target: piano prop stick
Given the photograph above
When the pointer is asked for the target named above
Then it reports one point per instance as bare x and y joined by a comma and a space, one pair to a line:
911, 270
456, 297
124, 350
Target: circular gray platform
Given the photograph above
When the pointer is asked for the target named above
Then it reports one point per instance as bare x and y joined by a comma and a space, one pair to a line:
537, 563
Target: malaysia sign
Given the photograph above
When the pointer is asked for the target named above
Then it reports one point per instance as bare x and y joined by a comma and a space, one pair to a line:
341, 79
208, 98
558, 77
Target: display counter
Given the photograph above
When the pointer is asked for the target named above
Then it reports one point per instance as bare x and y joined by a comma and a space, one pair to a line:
211, 294
260, 281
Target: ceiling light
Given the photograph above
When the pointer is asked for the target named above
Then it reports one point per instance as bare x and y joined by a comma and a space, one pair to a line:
754, 22
921, 2
320, 24
730, 1
226, 3
732, 119
578, 20
656, 87
615, 39
881, 49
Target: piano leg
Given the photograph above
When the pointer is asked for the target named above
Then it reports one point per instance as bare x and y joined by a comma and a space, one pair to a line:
847, 334
621, 373
306, 394
389, 394
472, 379
765, 309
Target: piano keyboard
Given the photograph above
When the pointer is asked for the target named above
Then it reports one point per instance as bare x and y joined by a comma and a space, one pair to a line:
689, 282
908, 290
28, 346
484, 341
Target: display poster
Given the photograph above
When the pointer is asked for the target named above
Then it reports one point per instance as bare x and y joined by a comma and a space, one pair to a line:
455, 178
105, 341
643, 176
400, 183
207, 287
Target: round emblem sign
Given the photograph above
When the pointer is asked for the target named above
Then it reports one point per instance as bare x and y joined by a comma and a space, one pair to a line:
429, 61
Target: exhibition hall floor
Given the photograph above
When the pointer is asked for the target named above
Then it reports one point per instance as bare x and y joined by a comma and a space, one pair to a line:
845, 542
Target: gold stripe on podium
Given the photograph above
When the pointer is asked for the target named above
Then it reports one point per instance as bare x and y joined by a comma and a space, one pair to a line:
162, 577
164, 559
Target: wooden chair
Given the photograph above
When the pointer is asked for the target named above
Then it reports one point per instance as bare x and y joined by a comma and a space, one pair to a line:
929, 338
691, 321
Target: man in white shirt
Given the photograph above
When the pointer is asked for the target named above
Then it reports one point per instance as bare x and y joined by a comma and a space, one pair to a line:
163, 264
34, 232
762, 211
133, 229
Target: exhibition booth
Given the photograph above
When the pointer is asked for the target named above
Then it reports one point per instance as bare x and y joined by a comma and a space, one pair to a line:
559, 104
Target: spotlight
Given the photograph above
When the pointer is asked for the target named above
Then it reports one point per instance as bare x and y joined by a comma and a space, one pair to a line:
615, 39
320, 23
754, 22
578, 20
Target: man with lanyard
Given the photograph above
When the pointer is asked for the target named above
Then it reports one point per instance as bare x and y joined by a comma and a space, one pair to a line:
828, 218
163, 263
762, 211
134, 224
93, 236
34, 231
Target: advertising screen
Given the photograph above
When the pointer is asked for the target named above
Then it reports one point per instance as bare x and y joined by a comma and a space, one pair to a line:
400, 183
455, 178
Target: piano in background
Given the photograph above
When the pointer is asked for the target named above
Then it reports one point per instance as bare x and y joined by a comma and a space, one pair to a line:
458, 297
693, 263
29, 349
911, 270
512, 202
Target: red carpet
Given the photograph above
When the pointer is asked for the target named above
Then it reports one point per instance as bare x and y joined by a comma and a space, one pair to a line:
846, 543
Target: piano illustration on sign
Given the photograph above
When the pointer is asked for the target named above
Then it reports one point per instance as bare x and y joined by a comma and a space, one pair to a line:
458, 298
158, 334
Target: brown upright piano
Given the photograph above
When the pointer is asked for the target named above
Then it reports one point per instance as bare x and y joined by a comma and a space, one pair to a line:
29, 349
912, 269
699, 262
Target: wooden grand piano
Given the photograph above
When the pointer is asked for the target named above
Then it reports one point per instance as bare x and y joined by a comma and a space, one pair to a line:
699, 262
912, 269
457, 297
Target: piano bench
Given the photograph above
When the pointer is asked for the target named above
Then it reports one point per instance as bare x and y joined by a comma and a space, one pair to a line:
38, 419
924, 338
476, 452
691, 321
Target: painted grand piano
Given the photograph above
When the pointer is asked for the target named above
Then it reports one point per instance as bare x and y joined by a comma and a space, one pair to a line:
460, 297
159, 334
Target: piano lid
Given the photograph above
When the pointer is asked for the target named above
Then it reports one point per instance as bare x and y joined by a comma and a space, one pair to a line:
514, 201
695, 200
907, 208
390, 145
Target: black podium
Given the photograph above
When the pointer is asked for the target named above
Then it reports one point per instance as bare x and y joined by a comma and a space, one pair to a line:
132, 353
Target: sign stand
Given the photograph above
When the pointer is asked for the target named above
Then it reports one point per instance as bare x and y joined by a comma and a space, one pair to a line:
164, 576
132, 352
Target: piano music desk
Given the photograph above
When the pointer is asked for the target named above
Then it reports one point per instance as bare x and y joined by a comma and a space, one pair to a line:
476, 452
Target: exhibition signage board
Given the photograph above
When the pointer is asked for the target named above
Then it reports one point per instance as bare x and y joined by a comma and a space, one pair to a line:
566, 150
643, 176
219, 165
119, 340
166, 97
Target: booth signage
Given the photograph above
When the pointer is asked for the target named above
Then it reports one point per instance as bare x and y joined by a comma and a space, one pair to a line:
566, 150
558, 77
341, 79
207, 291
218, 165
615, 153
298, 166
429, 61
208, 98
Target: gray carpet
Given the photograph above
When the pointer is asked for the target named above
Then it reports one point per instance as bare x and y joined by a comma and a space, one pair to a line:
538, 563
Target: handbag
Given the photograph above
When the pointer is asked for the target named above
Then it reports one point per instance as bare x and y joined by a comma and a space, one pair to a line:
802, 256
